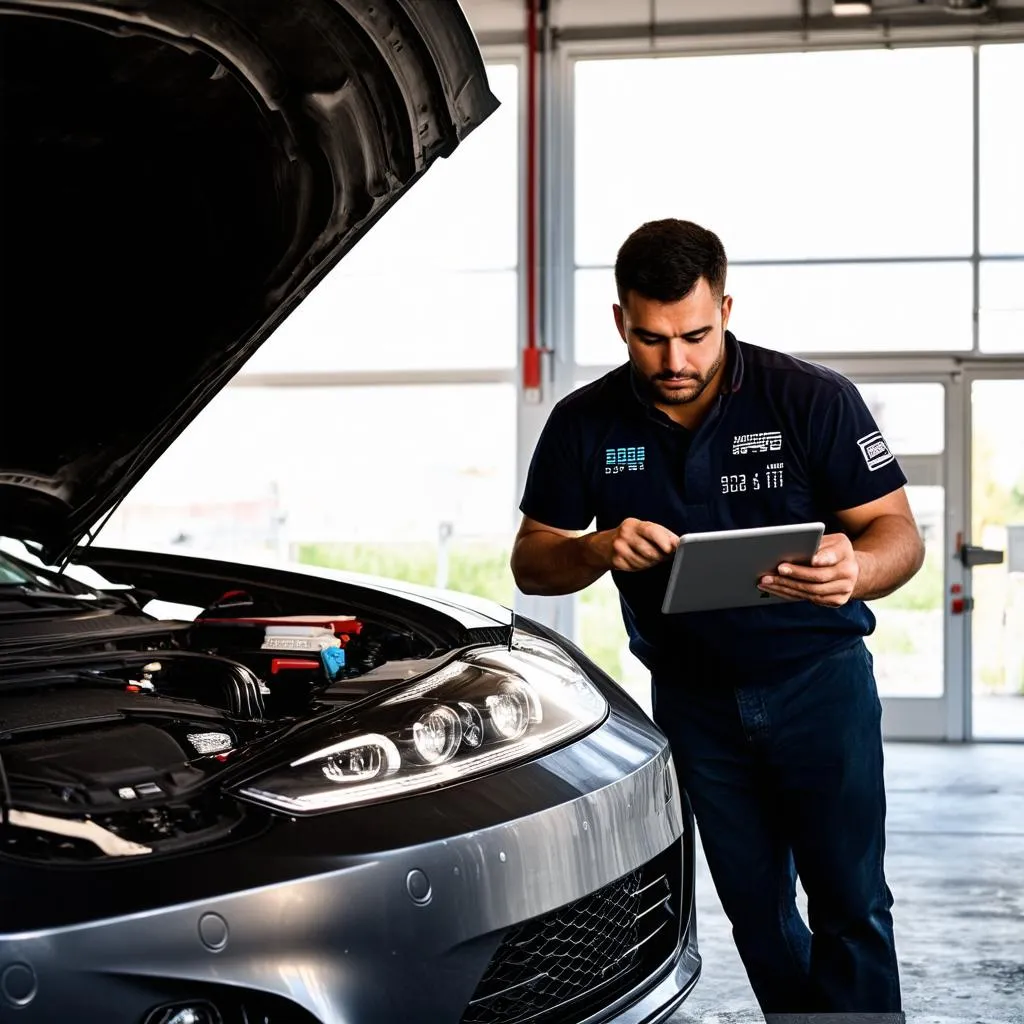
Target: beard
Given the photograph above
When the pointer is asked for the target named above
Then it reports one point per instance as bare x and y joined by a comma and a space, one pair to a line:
654, 389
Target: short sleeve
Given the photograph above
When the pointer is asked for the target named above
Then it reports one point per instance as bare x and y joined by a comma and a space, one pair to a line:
557, 492
852, 462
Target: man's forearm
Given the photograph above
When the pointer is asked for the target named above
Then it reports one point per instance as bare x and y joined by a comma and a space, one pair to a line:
546, 564
889, 552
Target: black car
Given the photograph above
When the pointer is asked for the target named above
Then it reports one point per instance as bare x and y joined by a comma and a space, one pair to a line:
311, 799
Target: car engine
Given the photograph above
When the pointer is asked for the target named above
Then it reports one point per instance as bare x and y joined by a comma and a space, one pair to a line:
115, 748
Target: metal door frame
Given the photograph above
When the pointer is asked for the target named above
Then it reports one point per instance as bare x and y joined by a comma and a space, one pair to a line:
1010, 370
932, 718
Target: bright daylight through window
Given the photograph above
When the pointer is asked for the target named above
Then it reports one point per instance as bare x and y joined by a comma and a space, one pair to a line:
411, 480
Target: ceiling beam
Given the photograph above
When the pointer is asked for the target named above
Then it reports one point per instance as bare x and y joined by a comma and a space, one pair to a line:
931, 25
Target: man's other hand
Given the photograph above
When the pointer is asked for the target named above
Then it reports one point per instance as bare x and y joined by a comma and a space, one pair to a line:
829, 580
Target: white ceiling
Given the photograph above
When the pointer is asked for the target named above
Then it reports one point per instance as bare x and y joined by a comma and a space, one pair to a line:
505, 15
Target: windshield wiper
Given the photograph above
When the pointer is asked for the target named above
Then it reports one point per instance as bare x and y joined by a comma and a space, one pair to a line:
37, 595
27, 590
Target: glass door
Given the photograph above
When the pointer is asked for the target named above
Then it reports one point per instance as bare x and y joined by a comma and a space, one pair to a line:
909, 642
993, 554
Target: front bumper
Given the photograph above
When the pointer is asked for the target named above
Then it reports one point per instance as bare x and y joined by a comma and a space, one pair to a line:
403, 935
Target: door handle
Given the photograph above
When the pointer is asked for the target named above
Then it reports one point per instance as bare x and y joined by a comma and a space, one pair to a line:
972, 555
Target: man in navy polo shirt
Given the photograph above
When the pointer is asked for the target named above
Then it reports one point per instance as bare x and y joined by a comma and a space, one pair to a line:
772, 712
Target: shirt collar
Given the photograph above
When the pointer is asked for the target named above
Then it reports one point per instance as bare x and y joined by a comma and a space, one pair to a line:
734, 364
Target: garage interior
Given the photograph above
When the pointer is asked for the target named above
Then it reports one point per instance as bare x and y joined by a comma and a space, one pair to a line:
862, 163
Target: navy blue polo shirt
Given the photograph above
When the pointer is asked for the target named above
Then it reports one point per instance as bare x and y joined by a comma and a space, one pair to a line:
786, 441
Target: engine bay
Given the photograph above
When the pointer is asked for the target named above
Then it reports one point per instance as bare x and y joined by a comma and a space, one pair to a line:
112, 747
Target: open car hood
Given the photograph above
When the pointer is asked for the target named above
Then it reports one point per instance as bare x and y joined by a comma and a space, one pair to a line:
177, 175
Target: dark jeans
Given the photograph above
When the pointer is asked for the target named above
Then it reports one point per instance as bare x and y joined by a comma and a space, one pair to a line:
785, 781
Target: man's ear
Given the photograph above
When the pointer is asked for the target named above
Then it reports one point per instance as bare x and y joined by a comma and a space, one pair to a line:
620, 320
726, 311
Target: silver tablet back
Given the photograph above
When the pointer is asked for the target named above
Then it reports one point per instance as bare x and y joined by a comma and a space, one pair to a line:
721, 569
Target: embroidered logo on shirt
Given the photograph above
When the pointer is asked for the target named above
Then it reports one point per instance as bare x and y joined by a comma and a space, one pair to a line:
766, 441
875, 451
623, 460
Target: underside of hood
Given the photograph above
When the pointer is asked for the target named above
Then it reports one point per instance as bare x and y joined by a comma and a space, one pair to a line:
176, 176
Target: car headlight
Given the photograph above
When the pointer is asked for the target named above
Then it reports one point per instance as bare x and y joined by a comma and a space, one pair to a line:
489, 708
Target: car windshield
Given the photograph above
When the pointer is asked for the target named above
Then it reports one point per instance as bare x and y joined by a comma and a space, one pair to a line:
22, 576
13, 575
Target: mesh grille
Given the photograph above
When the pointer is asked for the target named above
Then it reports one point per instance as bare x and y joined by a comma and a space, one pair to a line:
587, 953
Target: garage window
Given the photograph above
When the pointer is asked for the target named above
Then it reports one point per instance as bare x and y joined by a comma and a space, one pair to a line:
375, 430
1001, 312
870, 143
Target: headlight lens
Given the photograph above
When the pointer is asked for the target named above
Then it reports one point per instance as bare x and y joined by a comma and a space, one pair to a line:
357, 760
492, 707
509, 711
436, 735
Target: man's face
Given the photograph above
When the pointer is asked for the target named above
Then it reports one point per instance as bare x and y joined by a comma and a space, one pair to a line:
677, 348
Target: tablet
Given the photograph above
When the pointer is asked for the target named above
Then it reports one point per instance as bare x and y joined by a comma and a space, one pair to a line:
721, 569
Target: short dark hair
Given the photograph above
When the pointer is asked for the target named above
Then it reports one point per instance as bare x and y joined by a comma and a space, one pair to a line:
664, 259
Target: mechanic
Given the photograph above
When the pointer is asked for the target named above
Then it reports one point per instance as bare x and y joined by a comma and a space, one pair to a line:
772, 712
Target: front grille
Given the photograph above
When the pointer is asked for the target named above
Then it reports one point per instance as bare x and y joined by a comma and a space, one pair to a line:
568, 964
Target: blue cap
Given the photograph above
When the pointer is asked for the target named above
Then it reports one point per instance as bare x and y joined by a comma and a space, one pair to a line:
333, 659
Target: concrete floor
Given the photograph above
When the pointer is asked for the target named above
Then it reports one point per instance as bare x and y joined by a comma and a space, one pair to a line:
955, 863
